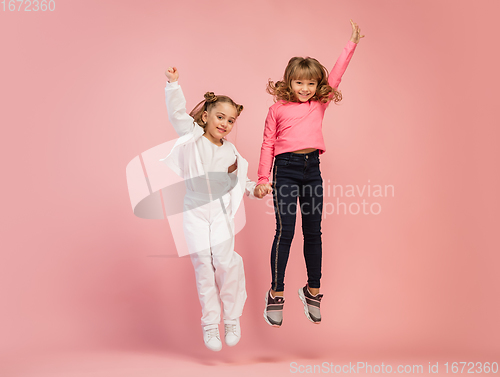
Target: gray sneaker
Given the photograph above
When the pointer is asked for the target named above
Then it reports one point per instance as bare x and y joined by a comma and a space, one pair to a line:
273, 312
311, 305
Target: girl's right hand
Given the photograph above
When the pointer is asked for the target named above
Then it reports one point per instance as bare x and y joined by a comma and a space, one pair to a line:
268, 189
262, 190
172, 74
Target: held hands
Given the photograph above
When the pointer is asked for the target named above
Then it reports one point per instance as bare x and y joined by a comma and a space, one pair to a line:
262, 190
172, 74
356, 32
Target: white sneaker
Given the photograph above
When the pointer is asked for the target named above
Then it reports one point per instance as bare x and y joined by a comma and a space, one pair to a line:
212, 338
232, 331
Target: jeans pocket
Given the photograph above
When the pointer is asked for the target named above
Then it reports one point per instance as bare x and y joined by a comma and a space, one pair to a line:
281, 162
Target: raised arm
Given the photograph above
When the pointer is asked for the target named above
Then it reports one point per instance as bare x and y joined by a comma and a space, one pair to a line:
267, 149
345, 57
176, 104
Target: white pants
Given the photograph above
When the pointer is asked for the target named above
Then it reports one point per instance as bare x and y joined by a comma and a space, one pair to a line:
209, 232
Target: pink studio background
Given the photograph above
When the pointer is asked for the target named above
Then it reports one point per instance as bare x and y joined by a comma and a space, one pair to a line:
87, 288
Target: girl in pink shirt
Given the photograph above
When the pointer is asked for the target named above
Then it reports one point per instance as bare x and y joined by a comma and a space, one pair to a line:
293, 139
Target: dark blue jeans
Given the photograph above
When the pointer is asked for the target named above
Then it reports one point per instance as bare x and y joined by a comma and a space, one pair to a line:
297, 176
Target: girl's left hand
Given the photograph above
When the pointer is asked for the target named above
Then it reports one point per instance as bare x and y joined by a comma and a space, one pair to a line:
356, 32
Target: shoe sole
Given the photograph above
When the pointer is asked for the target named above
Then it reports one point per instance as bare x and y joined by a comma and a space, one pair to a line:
232, 344
265, 315
214, 349
306, 311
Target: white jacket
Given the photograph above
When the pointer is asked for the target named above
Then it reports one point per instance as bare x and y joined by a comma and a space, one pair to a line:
184, 158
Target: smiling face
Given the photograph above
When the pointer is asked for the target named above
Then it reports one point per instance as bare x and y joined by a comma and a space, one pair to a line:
305, 80
219, 121
304, 90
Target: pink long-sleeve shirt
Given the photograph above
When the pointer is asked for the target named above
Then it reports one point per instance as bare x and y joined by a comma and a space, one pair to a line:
294, 126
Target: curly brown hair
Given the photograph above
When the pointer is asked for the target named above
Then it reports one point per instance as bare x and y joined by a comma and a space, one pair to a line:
299, 68
208, 103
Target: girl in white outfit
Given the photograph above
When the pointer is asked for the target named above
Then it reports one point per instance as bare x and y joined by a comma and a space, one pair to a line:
216, 178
